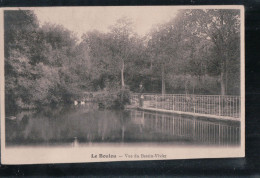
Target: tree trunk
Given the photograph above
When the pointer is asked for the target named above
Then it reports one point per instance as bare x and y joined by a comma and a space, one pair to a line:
186, 85
226, 78
222, 81
122, 75
193, 86
222, 55
163, 80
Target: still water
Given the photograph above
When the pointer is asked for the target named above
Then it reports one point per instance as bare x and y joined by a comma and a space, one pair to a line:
87, 124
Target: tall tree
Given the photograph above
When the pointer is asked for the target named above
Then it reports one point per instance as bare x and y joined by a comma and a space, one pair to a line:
121, 36
101, 67
221, 28
20, 34
163, 46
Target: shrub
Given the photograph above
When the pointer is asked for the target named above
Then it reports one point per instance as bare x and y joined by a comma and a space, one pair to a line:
123, 98
113, 99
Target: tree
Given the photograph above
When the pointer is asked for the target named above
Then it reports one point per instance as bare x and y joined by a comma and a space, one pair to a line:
101, 66
221, 28
163, 46
60, 61
20, 34
20, 28
39, 62
121, 36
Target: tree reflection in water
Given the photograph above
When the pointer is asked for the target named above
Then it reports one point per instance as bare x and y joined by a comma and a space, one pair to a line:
89, 125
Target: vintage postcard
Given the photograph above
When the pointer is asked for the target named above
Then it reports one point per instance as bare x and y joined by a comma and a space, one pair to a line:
121, 83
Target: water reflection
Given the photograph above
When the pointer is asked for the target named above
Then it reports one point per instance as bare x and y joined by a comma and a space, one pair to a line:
86, 124
189, 128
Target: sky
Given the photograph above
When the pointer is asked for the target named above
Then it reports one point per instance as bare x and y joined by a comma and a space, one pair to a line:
83, 19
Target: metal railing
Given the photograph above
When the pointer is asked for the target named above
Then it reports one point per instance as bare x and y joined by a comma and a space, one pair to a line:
216, 105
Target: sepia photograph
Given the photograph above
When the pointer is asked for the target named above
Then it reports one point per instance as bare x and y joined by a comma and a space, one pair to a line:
122, 83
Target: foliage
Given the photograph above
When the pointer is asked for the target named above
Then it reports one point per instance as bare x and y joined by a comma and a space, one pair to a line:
116, 99
123, 98
220, 29
38, 62
198, 51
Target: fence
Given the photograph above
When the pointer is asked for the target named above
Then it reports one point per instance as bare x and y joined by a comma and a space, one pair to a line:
216, 105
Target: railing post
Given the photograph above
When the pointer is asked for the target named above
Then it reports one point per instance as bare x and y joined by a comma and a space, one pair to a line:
173, 102
156, 101
239, 107
219, 106
193, 102
219, 134
194, 127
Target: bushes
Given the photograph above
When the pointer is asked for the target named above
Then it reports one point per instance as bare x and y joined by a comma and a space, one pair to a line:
192, 84
113, 99
123, 98
105, 99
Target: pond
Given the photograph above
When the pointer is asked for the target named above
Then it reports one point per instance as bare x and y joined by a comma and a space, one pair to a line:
86, 124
